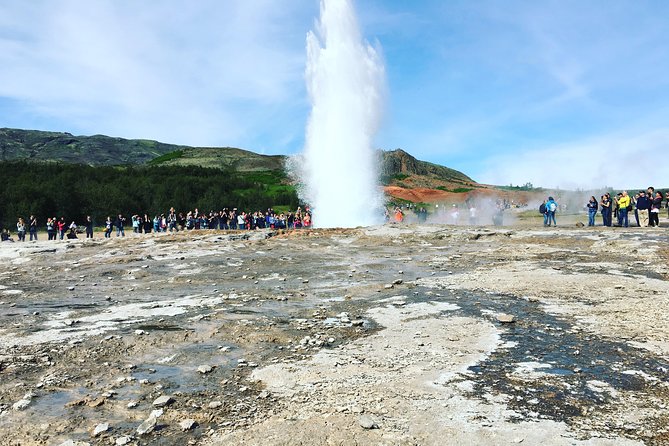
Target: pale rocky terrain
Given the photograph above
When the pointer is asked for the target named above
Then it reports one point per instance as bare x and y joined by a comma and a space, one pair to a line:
389, 335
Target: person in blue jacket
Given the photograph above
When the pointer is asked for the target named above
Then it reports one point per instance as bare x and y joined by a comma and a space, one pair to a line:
551, 208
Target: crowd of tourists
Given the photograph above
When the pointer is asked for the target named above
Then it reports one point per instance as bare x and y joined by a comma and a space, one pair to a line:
645, 206
226, 219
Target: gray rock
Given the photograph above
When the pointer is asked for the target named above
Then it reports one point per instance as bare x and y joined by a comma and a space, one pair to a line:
204, 369
398, 282
367, 422
122, 441
100, 429
187, 425
147, 426
74, 443
163, 401
506, 318
215, 404
21, 404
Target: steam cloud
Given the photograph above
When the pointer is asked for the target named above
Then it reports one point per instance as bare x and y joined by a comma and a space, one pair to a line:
345, 80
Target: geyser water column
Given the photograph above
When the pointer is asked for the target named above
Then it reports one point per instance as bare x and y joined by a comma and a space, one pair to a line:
345, 80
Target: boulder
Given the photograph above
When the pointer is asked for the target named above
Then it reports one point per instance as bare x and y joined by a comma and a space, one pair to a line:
367, 422
506, 318
187, 424
163, 401
100, 429
147, 426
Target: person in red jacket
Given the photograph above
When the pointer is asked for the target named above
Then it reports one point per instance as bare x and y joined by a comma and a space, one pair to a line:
60, 225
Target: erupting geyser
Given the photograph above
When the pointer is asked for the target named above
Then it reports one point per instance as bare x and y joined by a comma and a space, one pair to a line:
345, 79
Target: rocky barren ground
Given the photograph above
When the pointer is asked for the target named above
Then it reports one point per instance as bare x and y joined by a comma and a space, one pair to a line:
393, 335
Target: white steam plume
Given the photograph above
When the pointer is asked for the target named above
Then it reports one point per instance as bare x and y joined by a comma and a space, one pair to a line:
346, 80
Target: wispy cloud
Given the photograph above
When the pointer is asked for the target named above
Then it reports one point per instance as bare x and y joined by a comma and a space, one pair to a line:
208, 72
619, 160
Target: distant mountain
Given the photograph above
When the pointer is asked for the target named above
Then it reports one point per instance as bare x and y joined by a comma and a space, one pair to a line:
397, 168
95, 150
398, 163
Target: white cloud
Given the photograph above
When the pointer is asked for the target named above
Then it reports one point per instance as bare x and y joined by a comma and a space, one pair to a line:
206, 72
617, 160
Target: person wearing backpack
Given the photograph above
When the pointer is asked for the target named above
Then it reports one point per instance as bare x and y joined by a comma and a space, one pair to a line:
551, 208
542, 211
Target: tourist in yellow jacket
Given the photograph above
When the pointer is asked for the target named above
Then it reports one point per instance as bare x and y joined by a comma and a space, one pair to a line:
623, 208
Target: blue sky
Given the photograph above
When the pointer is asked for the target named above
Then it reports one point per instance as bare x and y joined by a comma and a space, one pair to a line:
558, 93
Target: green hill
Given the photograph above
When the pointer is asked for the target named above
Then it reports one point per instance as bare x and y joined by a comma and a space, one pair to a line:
396, 166
221, 158
97, 150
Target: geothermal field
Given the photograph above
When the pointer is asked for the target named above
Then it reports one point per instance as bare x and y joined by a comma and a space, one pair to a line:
389, 335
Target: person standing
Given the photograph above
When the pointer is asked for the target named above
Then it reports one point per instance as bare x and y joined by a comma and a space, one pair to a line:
89, 227
135, 223
21, 230
473, 217
551, 208
654, 219
642, 207
61, 227
623, 209
109, 226
148, 224
50, 229
33, 228
592, 205
606, 209
615, 206
118, 223
172, 221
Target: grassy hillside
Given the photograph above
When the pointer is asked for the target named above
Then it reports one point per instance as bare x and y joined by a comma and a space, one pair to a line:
221, 158
400, 172
97, 150
100, 150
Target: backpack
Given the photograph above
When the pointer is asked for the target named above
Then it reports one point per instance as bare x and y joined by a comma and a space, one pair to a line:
553, 207
542, 208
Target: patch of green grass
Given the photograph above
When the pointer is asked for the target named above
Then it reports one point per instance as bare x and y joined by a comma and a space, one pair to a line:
457, 190
167, 157
265, 176
387, 179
